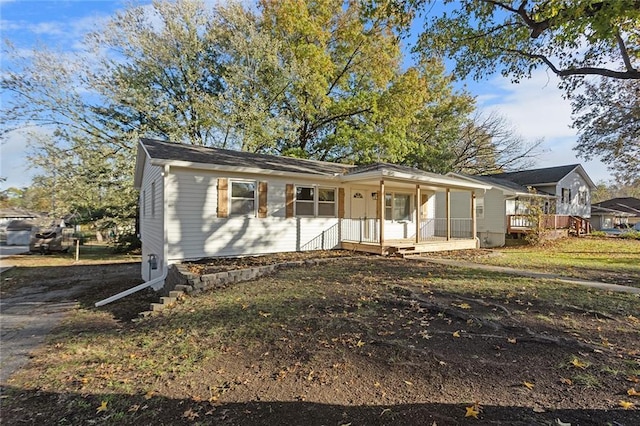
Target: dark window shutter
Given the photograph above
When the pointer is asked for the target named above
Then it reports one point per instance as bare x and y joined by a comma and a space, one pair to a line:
289, 200
262, 199
341, 202
223, 197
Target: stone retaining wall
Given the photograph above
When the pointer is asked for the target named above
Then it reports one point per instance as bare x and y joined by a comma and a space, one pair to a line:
191, 283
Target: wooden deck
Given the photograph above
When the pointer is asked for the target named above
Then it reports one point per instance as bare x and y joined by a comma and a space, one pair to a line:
407, 247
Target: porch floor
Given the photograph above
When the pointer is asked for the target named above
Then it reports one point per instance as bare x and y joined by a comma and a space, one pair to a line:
403, 247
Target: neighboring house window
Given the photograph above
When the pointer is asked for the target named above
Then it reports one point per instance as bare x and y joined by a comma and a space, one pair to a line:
243, 198
153, 199
397, 206
566, 196
582, 197
315, 201
480, 208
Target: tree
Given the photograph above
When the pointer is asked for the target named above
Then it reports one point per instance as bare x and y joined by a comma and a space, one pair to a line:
571, 38
316, 79
607, 114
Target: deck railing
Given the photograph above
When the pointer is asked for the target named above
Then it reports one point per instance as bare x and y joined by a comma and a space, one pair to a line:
522, 222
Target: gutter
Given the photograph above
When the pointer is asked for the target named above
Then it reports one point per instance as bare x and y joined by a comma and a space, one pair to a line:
153, 283
158, 282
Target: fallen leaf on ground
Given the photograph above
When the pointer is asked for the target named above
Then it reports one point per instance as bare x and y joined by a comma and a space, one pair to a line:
514, 341
408, 383
265, 314
456, 334
472, 411
566, 381
626, 404
149, 395
190, 414
561, 423
578, 364
528, 385
360, 343
633, 392
102, 407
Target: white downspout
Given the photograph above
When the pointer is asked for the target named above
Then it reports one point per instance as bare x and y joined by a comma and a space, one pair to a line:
158, 282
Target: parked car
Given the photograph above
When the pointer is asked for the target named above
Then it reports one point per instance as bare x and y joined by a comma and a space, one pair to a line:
621, 229
55, 238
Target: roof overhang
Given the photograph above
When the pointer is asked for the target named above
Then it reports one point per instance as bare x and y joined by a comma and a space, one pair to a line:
241, 170
428, 181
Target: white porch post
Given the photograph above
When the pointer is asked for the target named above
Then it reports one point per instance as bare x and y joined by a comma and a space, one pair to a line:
418, 213
381, 200
473, 215
448, 212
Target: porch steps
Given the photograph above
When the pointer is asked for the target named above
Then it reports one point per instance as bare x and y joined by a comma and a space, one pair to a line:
164, 303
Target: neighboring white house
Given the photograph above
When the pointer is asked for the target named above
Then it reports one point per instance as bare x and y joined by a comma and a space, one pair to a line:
198, 202
563, 191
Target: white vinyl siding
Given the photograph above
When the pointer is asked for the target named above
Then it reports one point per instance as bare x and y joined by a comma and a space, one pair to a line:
151, 220
580, 191
195, 231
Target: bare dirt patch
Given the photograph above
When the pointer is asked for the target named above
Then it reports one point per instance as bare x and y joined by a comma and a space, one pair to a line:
356, 341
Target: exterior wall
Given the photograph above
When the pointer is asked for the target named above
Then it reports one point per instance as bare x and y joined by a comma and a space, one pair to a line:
575, 183
491, 228
195, 231
151, 220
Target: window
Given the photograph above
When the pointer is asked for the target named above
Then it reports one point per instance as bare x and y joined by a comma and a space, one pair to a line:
243, 198
480, 208
304, 200
326, 202
566, 196
315, 201
582, 197
153, 199
397, 206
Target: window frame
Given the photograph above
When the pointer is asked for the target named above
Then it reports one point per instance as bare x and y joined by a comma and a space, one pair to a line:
231, 198
479, 207
153, 199
393, 207
315, 202
566, 195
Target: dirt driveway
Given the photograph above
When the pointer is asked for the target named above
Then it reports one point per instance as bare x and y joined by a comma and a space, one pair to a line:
35, 300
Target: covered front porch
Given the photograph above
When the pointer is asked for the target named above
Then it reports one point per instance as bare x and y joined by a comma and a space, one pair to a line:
393, 211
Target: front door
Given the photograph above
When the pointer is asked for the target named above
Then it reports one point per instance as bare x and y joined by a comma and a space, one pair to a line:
358, 204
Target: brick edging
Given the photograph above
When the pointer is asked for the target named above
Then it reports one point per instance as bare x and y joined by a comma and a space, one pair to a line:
181, 281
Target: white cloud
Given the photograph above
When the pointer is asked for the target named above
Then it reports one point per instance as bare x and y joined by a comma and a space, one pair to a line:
14, 165
536, 109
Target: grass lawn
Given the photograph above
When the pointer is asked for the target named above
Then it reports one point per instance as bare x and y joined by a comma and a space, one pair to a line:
352, 341
612, 260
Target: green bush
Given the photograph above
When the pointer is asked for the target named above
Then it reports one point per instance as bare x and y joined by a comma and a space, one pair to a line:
633, 235
127, 243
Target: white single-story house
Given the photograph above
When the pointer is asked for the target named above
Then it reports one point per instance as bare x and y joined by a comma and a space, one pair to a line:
198, 202
563, 191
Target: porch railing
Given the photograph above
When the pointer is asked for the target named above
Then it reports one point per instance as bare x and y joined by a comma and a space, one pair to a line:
368, 230
360, 230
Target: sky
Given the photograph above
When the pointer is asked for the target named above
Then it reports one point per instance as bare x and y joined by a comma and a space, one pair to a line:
535, 107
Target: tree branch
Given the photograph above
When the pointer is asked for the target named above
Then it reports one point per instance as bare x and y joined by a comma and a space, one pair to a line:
631, 74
